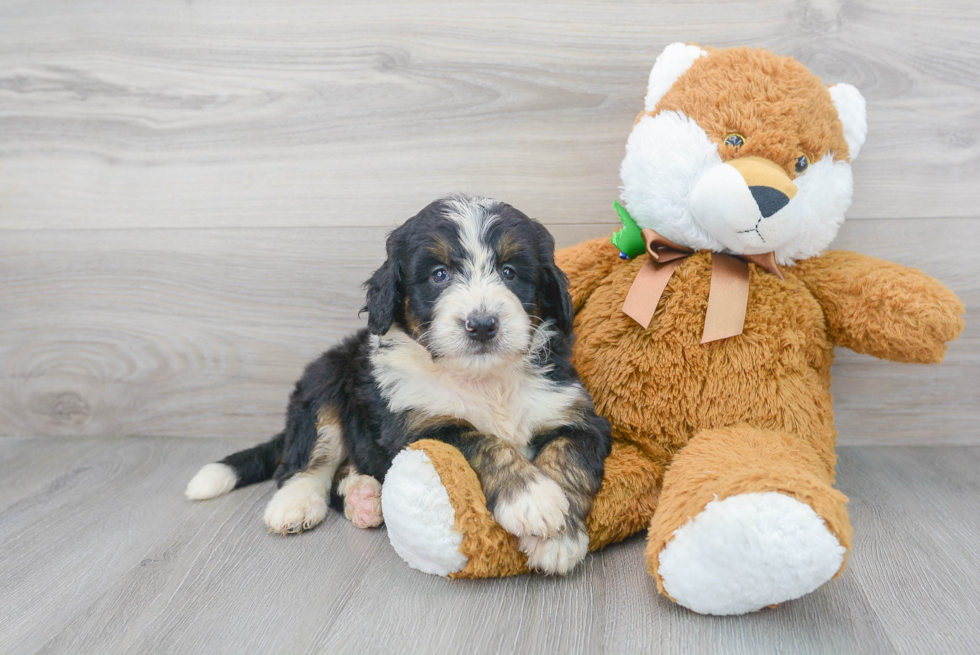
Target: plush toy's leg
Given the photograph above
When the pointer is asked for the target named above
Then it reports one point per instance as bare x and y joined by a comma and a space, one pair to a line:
627, 498
438, 521
437, 516
747, 519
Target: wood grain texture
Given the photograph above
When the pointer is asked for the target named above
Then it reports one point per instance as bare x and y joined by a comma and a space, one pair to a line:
121, 562
192, 193
297, 114
912, 555
203, 332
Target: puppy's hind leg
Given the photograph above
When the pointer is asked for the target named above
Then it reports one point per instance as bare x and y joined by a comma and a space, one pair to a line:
361, 498
301, 503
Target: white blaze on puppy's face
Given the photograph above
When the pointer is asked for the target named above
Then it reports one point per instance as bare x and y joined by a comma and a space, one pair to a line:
477, 288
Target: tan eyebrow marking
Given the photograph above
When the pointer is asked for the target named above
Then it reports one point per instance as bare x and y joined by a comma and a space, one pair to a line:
507, 247
441, 250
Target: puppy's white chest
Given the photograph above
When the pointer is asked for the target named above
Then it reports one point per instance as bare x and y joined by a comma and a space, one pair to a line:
511, 404
511, 409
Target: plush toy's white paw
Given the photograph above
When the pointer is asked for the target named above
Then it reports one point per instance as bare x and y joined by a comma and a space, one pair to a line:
419, 516
747, 552
299, 505
538, 511
362, 500
211, 481
558, 554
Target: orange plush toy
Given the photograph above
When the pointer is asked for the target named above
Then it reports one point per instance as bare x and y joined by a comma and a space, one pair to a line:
708, 343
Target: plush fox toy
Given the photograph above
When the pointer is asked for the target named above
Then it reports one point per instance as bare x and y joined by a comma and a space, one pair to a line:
705, 334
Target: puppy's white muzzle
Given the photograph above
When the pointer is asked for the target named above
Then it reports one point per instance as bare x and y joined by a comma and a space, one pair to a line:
463, 332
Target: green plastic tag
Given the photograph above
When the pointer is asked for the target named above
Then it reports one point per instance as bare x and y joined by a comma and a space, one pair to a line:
629, 240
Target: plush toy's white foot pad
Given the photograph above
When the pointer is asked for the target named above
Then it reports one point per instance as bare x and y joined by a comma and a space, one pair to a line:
211, 481
299, 505
747, 552
420, 517
558, 554
362, 500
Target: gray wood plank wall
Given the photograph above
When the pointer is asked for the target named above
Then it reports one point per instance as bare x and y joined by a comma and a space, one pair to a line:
192, 192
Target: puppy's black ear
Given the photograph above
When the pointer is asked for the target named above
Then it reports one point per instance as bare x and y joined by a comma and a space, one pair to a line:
556, 301
384, 291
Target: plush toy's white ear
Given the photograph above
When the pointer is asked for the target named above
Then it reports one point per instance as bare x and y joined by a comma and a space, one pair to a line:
671, 64
853, 113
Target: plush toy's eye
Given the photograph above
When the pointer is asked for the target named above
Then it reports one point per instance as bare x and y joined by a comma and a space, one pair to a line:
735, 140
802, 164
508, 272
440, 275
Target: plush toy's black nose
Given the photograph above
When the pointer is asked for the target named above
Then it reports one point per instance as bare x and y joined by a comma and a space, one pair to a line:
769, 200
481, 327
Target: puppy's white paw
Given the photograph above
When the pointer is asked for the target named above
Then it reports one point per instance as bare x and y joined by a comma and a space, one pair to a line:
537, 511
558, 554
362, 500
299, 505
211, 481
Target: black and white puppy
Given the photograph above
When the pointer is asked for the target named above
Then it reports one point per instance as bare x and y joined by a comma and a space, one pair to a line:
469, 342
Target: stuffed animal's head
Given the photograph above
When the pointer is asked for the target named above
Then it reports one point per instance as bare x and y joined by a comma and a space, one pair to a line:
742, 151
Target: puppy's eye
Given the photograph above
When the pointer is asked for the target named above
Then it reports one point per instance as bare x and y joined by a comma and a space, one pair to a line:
802, 164
735, 140
508, 272
440, 275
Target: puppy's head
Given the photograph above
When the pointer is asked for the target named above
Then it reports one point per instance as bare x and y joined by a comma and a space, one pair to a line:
473, 280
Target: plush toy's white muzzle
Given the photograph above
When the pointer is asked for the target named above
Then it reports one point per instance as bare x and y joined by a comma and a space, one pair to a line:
675, 182
744, 203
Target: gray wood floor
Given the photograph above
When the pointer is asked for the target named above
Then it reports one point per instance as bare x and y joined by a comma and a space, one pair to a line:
99, 552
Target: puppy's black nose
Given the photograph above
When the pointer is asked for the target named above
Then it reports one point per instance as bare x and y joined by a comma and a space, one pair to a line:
481, 327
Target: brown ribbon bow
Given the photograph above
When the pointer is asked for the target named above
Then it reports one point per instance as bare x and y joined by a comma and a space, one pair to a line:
728, 294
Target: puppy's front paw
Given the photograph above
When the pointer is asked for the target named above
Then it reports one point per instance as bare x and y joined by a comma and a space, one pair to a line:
299, 505
558, 554
537, 511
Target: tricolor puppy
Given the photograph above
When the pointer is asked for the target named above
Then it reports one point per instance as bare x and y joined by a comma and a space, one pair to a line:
468, 341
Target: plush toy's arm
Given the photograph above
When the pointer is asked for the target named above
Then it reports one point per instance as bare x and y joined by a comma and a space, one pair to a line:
587, 265
882, 309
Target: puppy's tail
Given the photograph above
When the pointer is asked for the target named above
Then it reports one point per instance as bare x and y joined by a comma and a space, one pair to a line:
239, 469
